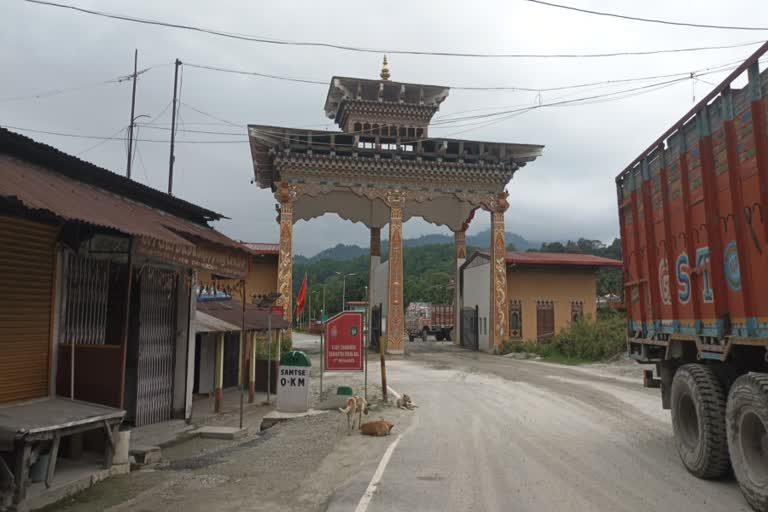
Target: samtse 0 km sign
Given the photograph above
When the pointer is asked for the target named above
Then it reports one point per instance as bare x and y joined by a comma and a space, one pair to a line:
344, 342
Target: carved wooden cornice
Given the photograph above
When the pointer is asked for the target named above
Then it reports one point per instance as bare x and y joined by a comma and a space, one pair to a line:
393, 196
385, 112
222, 262
463, 175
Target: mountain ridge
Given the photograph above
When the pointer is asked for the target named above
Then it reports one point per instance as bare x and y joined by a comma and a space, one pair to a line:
343, 252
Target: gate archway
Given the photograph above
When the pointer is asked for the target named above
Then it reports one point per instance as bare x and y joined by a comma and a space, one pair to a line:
381, 169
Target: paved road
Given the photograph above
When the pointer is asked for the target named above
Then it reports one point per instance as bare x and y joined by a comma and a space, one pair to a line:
497, 434
309, 343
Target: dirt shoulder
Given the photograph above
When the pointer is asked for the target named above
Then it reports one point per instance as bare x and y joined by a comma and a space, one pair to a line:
295, 465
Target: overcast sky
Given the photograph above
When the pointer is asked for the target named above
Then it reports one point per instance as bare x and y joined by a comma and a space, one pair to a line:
569, 192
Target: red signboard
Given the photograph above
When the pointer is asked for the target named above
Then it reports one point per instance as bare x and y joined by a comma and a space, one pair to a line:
344, 342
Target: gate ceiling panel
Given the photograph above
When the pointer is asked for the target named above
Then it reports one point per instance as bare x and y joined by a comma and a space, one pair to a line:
443, 211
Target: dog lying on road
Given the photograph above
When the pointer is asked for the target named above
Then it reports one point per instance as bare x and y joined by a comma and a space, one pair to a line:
405, 402
376, 428
356, 406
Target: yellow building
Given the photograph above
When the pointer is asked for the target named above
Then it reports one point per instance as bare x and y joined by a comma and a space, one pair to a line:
262, 271
223, 356
545, 290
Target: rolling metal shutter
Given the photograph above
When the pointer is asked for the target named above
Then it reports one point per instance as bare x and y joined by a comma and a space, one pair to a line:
27, 262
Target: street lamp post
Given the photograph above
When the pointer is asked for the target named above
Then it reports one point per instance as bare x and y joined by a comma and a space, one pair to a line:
344, 288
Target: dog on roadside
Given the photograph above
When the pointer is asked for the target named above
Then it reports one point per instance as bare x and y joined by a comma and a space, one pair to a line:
356, 406
376, 428
405, 402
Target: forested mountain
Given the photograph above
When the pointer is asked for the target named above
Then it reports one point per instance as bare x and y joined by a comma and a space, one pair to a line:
428, 270
482, 239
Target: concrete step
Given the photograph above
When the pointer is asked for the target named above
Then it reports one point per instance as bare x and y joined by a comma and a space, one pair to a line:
146, 455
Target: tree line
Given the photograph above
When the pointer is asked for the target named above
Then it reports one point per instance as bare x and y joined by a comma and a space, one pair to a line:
428, 274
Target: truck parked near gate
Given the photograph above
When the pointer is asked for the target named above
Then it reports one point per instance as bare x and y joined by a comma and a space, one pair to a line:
693, 211
423, 319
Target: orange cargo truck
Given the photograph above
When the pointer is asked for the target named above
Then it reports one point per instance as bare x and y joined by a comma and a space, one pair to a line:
693, 211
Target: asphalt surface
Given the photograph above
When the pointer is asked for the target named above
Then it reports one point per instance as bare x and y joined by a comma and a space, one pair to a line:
493, 433
490, 433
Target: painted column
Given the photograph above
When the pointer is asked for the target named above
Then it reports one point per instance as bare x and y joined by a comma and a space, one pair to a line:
499, 301
285, 256
219, 393
252, 370
395, 313
374, 263
460, 238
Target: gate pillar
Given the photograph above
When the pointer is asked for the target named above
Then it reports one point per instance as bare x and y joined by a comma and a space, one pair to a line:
285, 255
395, 199
498, 309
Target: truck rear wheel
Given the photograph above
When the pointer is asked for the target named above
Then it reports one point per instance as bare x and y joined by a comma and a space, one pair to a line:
698, 419
747, 428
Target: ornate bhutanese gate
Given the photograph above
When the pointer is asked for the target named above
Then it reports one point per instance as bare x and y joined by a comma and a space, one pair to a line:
383, 168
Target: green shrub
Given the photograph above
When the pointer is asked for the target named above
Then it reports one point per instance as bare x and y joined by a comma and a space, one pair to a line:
510, 346
588, 339
262, 345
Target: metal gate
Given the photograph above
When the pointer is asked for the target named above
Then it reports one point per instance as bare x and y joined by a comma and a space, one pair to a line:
156, 344
469, 328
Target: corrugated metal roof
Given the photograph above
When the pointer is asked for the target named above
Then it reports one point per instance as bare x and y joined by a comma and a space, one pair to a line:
553, 258
38, 188
32, 151
259, 248
231, 311
207, 323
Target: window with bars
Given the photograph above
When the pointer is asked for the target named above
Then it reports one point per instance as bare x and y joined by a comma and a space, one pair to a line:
86, 300
515, 319
577, 310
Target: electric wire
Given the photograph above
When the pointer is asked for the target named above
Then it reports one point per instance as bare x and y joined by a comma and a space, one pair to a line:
91, 85
646, 20
352, 48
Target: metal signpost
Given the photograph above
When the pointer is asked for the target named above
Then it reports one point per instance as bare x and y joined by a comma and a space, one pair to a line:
342, 345
344, 342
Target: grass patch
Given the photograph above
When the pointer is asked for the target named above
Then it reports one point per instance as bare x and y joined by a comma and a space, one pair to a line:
555, 357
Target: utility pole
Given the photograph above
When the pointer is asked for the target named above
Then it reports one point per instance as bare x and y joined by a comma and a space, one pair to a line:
173, 127
133, 108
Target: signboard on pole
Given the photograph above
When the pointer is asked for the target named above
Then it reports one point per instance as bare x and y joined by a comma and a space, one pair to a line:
343, 349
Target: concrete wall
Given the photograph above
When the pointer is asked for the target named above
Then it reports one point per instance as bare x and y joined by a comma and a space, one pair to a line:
380, 291
190, 376
477, 292
182, 345
562, 285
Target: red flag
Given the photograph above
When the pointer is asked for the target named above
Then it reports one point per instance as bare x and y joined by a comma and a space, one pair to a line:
301, 297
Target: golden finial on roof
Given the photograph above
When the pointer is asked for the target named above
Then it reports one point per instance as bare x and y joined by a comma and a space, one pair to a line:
384, 70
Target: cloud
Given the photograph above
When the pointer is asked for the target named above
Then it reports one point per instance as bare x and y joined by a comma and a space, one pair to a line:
569, 192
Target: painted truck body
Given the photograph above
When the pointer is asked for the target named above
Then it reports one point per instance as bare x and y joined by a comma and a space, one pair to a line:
693, 212
423, 319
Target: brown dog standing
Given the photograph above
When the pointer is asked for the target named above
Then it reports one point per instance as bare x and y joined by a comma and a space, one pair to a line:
356, 406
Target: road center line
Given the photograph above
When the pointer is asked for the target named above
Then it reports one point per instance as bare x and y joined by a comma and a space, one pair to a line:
365, 500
